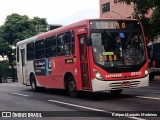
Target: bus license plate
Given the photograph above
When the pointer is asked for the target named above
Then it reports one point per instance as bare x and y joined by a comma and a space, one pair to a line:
126, 84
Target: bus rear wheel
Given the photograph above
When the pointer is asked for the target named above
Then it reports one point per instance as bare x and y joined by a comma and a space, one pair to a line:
72, 87
33, 83
116, 92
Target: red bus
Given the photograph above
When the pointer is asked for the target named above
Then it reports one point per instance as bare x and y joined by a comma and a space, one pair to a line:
90, 55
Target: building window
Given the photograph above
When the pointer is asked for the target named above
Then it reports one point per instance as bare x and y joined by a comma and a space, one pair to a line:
106, 7
115, 1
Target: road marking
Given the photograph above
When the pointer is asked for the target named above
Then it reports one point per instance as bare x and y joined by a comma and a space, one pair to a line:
94, 109
144, 97
89, 108
20, 94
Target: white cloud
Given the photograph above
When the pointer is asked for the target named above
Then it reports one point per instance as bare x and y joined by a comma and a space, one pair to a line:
55, 11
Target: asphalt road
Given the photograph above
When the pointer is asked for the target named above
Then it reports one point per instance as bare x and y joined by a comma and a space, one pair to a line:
56, 104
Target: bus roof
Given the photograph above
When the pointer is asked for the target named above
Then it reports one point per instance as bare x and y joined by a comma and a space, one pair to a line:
65, 29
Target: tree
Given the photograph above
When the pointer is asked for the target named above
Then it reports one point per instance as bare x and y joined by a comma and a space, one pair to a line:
4, 70
40, 24
17, 28
141, 9
3, 44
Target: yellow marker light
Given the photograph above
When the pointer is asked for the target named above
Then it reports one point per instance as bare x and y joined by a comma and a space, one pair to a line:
69, 61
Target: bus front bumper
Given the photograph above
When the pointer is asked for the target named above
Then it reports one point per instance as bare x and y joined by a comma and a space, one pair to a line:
99, 85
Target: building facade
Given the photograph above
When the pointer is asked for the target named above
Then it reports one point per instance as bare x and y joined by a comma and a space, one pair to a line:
115, 9
119, 9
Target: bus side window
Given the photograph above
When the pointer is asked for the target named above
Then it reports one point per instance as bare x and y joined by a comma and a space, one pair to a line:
30, 51
67, 43
60, 46
64, 44
39, 49
50, 47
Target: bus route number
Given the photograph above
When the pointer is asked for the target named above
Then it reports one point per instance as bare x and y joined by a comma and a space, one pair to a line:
123, 25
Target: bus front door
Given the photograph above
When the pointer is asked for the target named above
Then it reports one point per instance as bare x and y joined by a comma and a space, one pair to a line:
84, 62
23, 66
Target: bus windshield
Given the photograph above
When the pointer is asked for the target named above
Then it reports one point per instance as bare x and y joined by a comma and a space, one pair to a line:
113, 49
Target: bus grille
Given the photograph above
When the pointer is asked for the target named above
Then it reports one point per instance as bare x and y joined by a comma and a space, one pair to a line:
129, 84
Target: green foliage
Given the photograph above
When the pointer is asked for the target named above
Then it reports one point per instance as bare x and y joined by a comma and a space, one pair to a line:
141, 9
4, 68
16, 28
155, 21
40, 24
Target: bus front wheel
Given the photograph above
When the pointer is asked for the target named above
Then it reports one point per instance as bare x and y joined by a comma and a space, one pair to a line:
72, 87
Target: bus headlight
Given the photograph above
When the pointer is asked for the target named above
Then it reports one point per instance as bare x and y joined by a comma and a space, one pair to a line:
146, 72
98, 75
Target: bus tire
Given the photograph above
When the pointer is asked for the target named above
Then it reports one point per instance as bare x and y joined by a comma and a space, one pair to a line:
33, 83
151, 76
72, 89
116, 92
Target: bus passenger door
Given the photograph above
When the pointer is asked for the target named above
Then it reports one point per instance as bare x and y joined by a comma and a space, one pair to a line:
23, 61
84, 65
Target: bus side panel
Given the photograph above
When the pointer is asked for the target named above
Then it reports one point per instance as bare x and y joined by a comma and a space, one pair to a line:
44, 81
53, 76
29, 70
44, 72
62, 65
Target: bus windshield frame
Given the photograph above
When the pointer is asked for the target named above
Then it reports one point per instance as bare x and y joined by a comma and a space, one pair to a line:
129, 55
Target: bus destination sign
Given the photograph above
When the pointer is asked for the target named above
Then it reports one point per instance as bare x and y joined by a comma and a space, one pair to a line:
114, 24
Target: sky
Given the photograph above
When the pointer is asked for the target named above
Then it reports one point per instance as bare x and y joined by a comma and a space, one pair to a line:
61, 12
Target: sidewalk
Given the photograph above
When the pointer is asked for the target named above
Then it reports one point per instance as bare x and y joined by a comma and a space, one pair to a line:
8, 80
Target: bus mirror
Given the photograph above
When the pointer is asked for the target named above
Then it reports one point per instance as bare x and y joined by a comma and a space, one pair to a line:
88, 41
